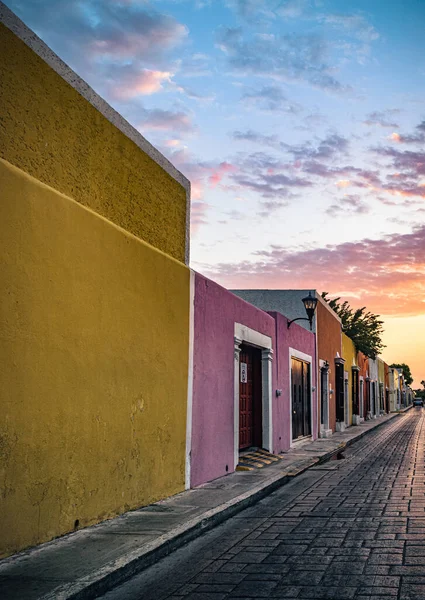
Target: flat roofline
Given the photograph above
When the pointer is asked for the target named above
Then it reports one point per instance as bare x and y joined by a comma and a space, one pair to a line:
301, 291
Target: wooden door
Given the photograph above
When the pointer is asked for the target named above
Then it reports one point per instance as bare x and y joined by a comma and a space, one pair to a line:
323, 393
300, 397
306, 399
368, 384
297, 405
355, 380
250, 408
339, 392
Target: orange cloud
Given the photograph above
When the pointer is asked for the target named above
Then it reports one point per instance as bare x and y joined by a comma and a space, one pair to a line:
172, 143
395, 137
386, 275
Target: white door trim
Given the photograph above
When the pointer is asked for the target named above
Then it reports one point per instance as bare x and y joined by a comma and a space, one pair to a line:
346, 399
293, 353
250, 336
325, 431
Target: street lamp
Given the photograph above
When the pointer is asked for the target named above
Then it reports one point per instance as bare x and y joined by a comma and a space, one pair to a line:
310, 303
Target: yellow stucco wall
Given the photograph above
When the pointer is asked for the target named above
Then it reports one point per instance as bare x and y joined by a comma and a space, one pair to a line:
350, 355
94, 362
381, 370
50, 131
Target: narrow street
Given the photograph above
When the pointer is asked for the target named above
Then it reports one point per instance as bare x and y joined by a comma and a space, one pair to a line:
350, 528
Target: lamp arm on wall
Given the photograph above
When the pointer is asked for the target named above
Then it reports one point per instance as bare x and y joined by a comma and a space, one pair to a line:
301, 319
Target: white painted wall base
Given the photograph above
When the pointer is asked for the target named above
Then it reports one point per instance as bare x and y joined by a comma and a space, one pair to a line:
340, 426
325, 433
357, 420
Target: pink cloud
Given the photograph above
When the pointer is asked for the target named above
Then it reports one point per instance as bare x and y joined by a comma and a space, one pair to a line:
219, 172
145, 83
386, 275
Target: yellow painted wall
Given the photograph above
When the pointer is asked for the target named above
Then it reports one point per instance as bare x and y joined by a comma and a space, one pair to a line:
94, 362
396, 387
50, 131
381, 370
349, 353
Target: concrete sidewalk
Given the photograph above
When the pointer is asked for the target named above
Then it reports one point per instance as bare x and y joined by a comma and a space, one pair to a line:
89, 562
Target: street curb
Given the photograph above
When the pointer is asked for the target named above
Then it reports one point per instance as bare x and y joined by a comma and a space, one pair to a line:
122, 569
89, 588
378, 425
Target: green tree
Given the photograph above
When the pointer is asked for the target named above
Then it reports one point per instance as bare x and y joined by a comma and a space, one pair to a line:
406, 372
362, 326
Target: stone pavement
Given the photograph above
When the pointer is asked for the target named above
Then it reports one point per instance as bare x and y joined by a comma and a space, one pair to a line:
347, 529
87, 563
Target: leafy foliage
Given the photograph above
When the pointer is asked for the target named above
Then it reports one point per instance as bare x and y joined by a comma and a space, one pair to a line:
406, 372
362, 326
420, 393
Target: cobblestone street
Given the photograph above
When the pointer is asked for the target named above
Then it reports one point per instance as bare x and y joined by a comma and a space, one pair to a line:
350, 528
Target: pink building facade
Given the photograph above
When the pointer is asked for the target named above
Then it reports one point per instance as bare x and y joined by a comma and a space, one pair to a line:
225, 326
294, 345
244, 360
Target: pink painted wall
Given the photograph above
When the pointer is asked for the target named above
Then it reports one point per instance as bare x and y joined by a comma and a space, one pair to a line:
215, 312
300, 339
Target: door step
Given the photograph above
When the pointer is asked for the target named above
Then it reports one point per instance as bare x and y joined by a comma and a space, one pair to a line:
256, 460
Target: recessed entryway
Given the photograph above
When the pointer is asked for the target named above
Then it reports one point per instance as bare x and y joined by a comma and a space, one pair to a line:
250, 398
300, 398
253, 390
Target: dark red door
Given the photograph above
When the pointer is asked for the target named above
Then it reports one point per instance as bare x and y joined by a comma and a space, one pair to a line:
367, 397
250, 410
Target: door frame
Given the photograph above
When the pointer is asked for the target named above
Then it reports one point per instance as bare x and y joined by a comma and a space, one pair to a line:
252, 357
347, 399
339, 364
307, 359
355, 377
323, 396
251, 337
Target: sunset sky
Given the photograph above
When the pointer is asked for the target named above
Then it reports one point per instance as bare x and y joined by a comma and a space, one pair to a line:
300, 123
